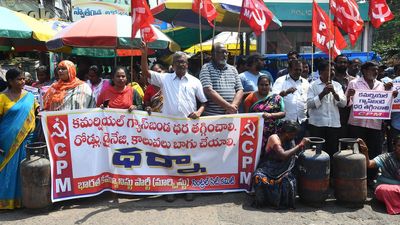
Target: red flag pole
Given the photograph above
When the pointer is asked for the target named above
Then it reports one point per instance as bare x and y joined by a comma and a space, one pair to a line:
312, 42
213, 34
237, 41
132, 37
201, 38
329, 49
312, 57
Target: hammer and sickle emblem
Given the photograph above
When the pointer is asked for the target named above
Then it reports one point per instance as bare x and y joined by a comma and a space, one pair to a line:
259, 16
58, 131
353, 14
250, 129
380, 14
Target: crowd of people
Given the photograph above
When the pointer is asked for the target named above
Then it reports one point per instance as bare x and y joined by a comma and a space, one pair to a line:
297, 104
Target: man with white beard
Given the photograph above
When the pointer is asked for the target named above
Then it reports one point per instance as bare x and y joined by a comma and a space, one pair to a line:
221, 83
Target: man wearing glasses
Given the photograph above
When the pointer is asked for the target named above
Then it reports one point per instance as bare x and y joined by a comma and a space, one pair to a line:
221, 83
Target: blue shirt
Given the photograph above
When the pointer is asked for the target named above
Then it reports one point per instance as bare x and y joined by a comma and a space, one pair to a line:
384, 178
249, 80
395, 120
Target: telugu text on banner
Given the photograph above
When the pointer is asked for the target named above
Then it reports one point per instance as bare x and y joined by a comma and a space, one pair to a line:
95, 150
372, 104
396, 101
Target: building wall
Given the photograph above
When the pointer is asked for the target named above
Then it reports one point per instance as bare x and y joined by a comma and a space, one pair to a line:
40, 9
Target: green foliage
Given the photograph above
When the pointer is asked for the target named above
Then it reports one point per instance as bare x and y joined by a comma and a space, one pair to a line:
386, 39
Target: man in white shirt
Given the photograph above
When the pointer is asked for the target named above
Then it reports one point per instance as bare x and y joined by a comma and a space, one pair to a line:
324, 98
293, 88
180, 89
291, 56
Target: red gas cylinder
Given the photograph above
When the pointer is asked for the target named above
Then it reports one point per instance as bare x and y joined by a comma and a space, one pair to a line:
349, 172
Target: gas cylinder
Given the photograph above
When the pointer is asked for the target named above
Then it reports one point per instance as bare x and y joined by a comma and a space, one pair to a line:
35, 176
313, 172
349, 172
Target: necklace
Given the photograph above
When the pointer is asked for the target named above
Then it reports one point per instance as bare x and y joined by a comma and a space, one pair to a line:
13, 96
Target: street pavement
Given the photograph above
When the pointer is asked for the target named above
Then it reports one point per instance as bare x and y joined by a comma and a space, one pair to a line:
209, 209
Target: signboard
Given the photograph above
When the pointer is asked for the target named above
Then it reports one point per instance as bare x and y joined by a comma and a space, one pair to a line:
372, 104
31, 8
95, 150
396, 101
85, 8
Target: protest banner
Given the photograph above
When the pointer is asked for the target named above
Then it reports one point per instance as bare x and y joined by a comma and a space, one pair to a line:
95, 150
396, 101
372, 104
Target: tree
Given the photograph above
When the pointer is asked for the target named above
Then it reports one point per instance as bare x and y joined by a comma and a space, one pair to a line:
386, 39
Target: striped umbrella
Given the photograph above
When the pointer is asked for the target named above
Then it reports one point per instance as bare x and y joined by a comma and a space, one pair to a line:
18, 29
229, 39
104, 31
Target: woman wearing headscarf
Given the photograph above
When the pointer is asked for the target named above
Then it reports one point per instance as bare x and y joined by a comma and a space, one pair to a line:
17, 121
68, 93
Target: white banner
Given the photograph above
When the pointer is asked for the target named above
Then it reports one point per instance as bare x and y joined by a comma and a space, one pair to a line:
94, 150
396, 101
372, 104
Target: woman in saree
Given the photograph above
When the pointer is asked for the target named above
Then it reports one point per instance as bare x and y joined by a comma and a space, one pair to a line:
387, 188
271, 105
68, 93
17, 121
119, 95
274, 182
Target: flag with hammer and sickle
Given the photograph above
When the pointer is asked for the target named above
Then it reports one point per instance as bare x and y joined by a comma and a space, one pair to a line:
379, 12
206, 9
348, 18
256, 15
141, 19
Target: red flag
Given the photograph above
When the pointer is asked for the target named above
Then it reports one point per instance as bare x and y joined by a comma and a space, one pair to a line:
348, 18
379, 12
325, 35
256, 15
148, 33
141, 19
207, 10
